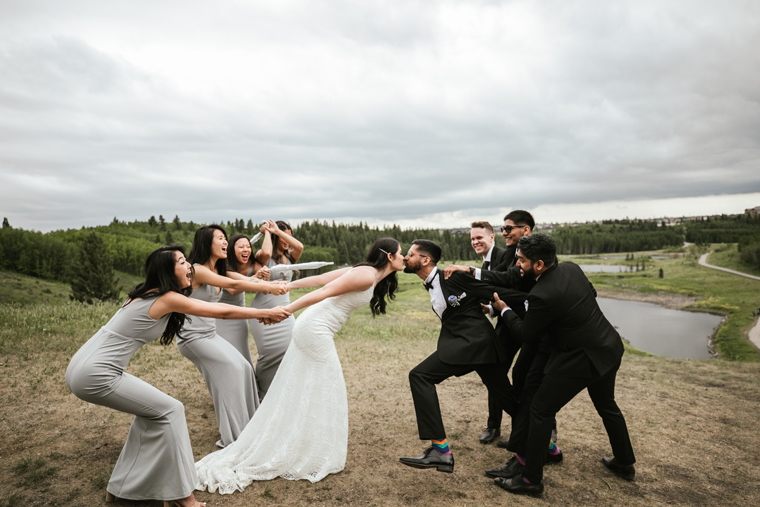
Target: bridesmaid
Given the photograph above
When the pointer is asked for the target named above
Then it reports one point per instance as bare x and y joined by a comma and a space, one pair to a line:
156, 462
229, 377
279, 247
239, 260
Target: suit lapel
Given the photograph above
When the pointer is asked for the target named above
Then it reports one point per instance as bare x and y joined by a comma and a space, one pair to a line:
445, 291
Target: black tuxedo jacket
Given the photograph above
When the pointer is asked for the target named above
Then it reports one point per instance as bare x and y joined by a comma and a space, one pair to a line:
501, 259
504, 260
467, 336
563, 304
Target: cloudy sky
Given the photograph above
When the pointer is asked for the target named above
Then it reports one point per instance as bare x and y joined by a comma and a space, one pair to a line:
420, 113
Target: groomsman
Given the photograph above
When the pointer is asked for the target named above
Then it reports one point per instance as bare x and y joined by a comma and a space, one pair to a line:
517, 223
585, 353
494, 259
466, 343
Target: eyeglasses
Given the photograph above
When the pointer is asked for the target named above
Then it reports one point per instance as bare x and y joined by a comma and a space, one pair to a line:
508, 228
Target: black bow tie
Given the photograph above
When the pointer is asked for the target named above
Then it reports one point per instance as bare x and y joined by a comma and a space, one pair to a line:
428, 285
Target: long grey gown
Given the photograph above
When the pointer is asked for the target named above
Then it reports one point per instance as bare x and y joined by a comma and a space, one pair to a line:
228, 375
233, 330
156, 462
271, 340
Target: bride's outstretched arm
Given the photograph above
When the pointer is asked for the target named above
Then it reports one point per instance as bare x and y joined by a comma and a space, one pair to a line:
352, 280
317, 280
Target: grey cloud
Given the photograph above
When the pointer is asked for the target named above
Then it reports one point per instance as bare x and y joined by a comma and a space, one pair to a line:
377, 110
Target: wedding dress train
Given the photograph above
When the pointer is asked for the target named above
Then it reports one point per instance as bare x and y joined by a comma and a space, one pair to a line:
300, 431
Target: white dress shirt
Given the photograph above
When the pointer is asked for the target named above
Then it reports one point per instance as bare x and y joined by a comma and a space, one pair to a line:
436, 293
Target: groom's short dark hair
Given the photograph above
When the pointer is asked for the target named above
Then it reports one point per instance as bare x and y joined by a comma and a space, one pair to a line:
429, 248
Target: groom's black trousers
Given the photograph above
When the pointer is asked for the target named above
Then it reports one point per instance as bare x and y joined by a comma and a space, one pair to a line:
432, 371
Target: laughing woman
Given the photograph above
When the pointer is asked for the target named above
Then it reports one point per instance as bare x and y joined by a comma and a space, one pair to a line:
156, 462
239, 260
228, 375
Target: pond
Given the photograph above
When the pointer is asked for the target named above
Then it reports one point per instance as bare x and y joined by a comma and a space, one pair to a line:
661, 331
607, 268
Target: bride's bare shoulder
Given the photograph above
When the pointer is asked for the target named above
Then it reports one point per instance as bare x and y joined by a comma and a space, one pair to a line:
363, 276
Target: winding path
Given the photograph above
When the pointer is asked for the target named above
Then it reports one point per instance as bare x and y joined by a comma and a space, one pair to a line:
754, 333
703, 262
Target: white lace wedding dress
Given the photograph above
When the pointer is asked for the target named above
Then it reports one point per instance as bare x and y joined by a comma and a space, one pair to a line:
300, 431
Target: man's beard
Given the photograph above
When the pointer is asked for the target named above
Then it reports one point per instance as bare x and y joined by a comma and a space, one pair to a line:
411, 268
529, 273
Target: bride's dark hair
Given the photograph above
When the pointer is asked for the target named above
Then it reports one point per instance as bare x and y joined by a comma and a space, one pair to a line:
160, 278
377, 257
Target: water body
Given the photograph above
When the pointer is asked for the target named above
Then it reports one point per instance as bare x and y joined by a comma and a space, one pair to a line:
607, 268
661, 331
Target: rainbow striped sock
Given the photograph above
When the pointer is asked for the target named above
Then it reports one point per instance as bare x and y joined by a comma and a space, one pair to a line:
520, 459
553, 449
442, 446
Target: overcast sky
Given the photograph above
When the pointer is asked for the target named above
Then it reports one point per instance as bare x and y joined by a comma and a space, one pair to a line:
420, 113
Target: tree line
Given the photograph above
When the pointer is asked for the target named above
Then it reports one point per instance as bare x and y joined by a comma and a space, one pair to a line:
124, 246
616, 236
68, 255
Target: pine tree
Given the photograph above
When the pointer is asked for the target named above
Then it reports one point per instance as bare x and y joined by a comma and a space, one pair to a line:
6, 224
177, 223
92, 272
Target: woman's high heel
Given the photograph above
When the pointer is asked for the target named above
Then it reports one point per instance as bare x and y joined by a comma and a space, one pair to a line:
175, 503
110, 498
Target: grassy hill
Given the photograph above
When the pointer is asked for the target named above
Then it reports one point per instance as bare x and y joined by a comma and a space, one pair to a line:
693, 423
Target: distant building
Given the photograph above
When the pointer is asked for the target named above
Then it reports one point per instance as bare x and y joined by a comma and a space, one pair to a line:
753, 212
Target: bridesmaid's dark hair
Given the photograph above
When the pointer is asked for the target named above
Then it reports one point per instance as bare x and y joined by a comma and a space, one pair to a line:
283, 226
232, 260
377, 257
160, 278
200, 252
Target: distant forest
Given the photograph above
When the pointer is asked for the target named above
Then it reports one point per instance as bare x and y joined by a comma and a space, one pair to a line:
127, 245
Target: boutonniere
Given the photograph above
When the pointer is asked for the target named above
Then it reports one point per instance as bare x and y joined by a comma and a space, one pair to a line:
454, 300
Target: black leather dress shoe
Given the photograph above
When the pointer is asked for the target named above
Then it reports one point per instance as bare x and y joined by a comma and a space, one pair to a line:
627, 472
502, 444
431, 459
554, 458
518, 486
489, 435
506, 471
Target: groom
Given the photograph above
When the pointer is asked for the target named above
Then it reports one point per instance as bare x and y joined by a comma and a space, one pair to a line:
466, 343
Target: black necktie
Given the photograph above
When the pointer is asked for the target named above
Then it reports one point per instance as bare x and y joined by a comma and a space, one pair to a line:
486, 264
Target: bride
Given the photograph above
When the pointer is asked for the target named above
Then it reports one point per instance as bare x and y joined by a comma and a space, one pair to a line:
300, 431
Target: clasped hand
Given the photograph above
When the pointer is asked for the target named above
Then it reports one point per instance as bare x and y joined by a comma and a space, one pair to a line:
497, 304
276, 315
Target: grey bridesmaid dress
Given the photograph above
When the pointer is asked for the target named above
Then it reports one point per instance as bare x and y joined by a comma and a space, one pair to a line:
271, 340
229, 377
233, 330
156, 462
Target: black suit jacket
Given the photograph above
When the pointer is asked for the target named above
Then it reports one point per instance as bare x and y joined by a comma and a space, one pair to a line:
501, 258
467, 336
580, 338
